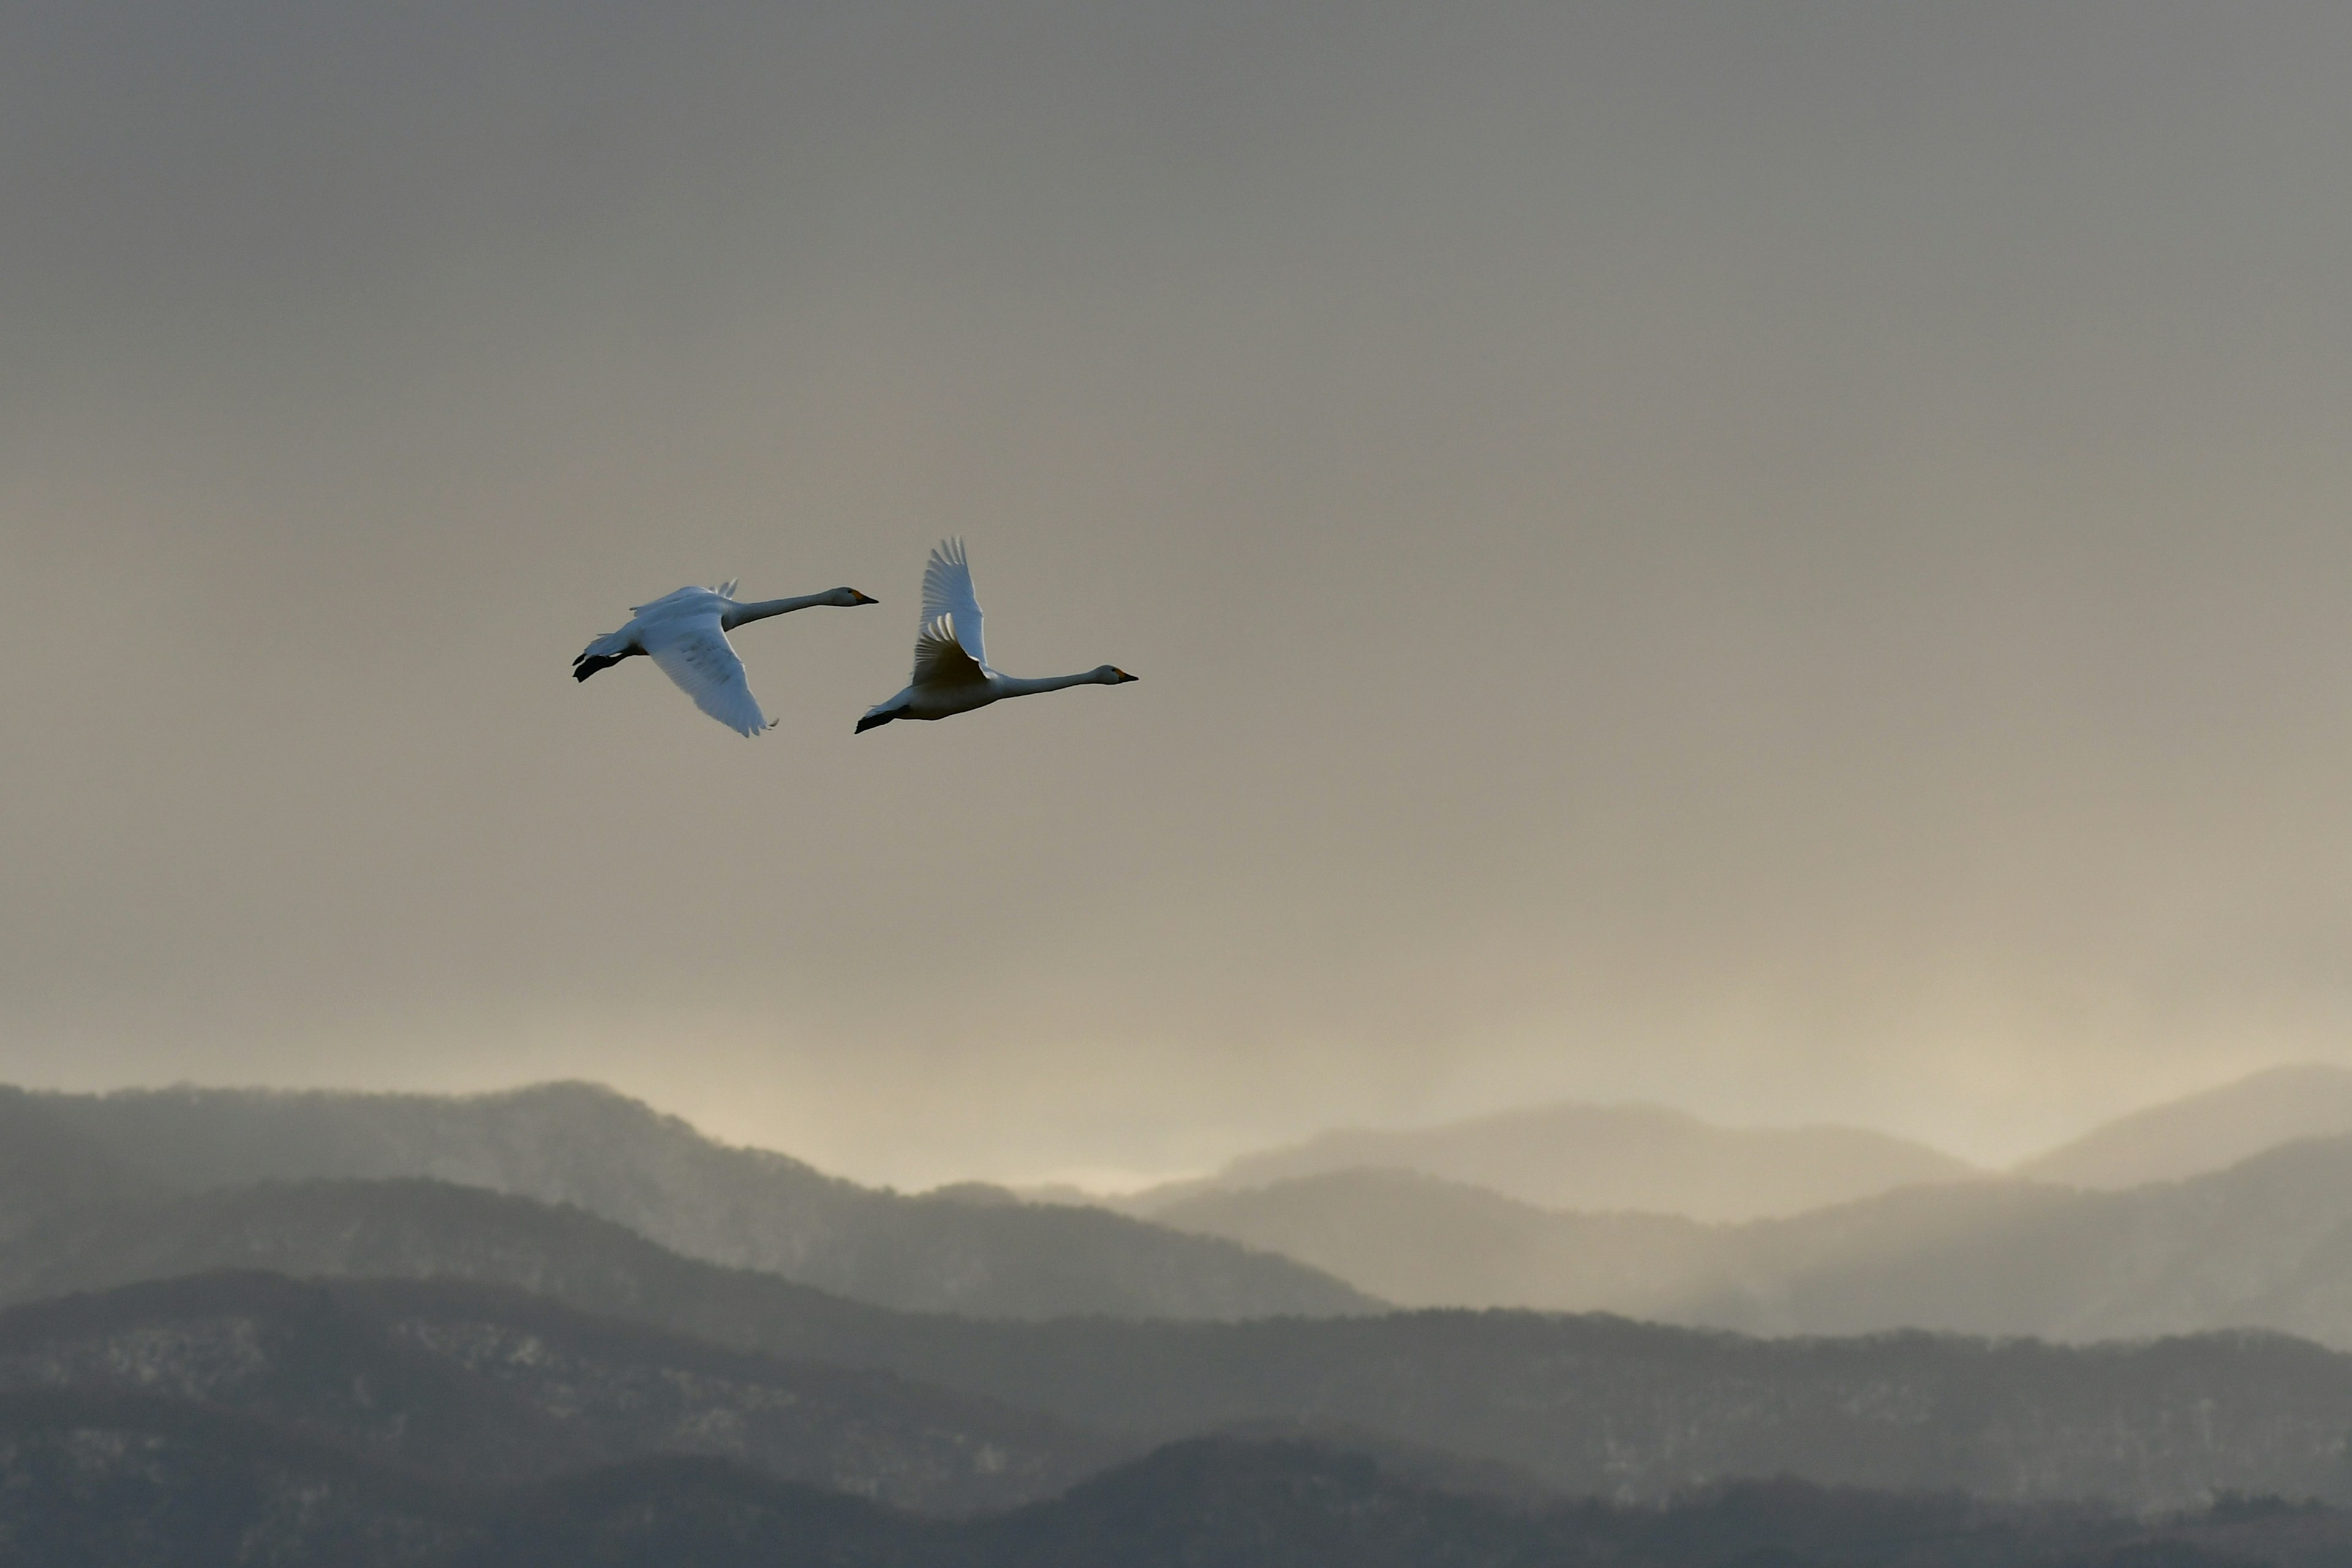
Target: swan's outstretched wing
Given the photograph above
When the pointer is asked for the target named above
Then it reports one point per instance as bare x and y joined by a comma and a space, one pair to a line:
695, 654
947, 594
941, 659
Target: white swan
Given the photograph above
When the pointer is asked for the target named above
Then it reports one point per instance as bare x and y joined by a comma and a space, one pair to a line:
686, 634
951, 668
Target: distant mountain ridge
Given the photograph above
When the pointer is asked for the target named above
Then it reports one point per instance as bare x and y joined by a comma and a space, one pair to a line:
1603, 1158
587, 1146
1649, 1159
2204, 1132
2266, 1243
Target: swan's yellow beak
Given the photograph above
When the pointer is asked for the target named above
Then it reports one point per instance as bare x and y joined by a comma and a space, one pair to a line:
857, 598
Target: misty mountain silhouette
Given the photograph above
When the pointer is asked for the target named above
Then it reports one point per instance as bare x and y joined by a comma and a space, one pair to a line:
1603, 1158
583, 1145
2265, 1244
2203, 1131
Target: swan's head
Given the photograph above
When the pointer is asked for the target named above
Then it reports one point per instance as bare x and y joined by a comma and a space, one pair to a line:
1111, 675
845, 598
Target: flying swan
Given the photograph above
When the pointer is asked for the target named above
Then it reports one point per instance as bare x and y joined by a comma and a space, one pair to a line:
951, 670
686, 634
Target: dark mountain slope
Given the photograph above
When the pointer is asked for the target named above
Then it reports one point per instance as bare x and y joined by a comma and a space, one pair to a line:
1601, 1406
49, 1168
580, 1144
287, 1352
1214, 1501
481, 1384
1587, 1405
141, 1482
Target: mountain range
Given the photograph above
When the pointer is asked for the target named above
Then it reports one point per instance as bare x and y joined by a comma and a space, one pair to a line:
2255, 1245
2261, 1243
1581, 1405
1647, 1158
460, 1333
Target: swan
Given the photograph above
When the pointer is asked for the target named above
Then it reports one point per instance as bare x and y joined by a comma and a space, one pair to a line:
686, 634
951, 670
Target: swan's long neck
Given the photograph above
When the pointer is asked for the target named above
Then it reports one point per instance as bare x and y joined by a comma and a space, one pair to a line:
760, 611
1015, 686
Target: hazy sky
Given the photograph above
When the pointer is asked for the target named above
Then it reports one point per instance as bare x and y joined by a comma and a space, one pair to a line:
1789, 559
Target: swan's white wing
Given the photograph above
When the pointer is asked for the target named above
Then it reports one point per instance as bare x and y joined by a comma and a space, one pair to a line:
941, 659
680, 602
947, 594
695, 654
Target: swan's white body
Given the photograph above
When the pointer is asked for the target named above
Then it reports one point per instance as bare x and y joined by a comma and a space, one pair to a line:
952, 674
684, 633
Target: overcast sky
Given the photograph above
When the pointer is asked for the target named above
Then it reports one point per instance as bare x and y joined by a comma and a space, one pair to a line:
1792, 560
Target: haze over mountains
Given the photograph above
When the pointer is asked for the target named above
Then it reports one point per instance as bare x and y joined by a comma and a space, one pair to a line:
2262, 1242
1655, 1160
2266, 1243
2203, 1131
2250, 1247
1605, 1157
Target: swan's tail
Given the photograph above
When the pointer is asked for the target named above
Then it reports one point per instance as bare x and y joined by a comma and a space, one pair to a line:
603, 654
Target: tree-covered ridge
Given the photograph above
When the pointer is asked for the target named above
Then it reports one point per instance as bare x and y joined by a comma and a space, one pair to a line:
137, 1481
484, 1384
